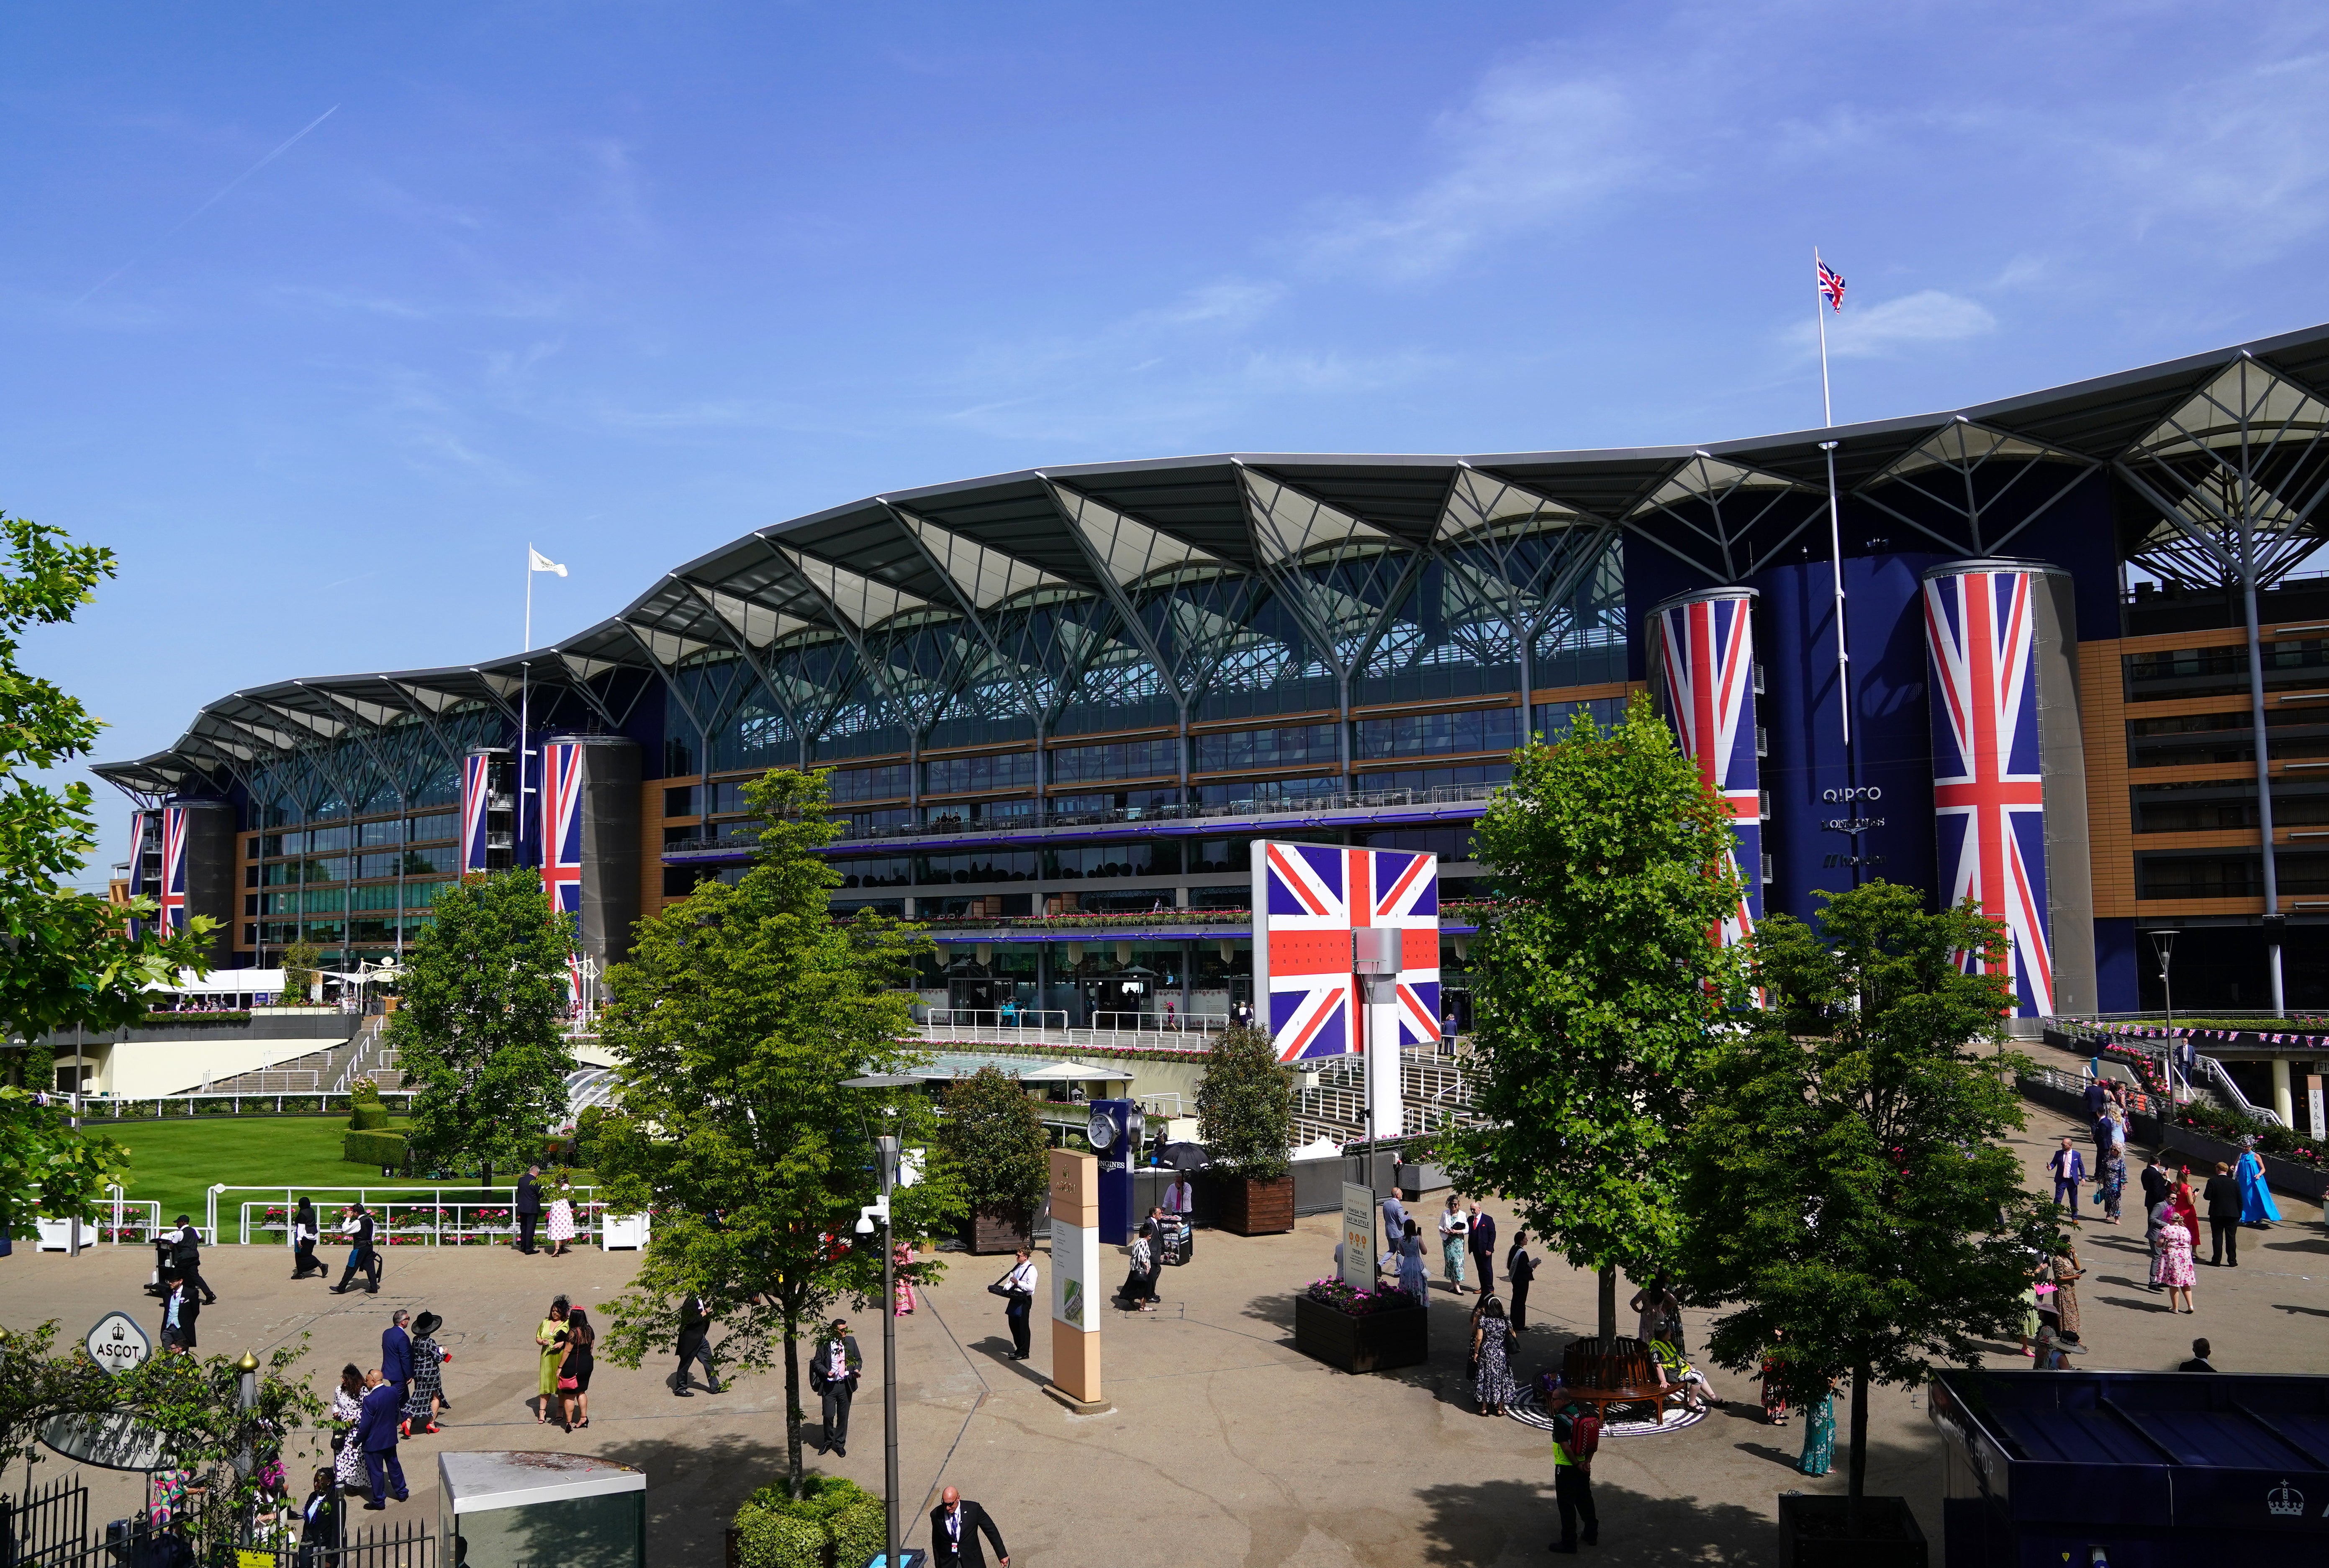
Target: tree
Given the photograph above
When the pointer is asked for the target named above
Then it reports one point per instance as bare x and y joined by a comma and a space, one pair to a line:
1245, 1106
478, 1028
735, 1022
992, 1139
1595, 988
1844, 1181
66, 959
300, 973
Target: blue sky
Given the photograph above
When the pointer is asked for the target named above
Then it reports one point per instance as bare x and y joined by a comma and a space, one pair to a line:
626, 281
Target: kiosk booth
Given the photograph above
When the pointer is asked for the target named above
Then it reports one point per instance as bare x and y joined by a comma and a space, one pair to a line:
510, 1510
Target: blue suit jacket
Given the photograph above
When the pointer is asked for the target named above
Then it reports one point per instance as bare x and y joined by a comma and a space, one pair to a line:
396, 1354
384, 1409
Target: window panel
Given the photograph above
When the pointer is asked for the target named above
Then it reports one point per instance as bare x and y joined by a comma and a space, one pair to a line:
876, 871
1292, 745
1008, 865
893, 781
1428, 734
1123, 760
956, 774
1089, 862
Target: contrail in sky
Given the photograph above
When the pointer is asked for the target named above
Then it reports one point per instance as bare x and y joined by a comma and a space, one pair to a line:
223, 191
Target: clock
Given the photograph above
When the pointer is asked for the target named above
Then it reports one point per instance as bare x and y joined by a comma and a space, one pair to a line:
1101, 1131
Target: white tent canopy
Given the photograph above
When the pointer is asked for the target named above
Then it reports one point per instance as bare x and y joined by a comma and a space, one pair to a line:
225, 983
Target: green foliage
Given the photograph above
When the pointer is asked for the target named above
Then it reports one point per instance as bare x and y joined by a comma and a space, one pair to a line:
833, 1524
378, 1149
366, 1111
1845, 1182
301, 970
585, 1136
1596, 986
992, 1136
479, 1029
740, 1012
1244, 1107
66, 958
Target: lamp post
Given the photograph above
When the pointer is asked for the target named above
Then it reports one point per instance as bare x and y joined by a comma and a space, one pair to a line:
2162, 945
889, 1152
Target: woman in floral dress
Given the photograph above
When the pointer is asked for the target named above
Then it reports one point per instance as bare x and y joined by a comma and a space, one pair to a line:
561, 1221
347, 1405
1775, 1397
1492, 1382
2175, 1270
426, 1391
2067, 1273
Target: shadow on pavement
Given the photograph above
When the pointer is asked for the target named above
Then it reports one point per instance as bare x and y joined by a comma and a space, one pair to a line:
2307, 1311
2315, 1245
694, 1485
1471, 1525
2129, 1301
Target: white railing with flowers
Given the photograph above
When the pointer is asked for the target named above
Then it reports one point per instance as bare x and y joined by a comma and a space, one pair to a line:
403, 1216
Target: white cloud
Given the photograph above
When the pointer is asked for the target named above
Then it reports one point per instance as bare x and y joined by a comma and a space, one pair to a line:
1918, 320
1526, 153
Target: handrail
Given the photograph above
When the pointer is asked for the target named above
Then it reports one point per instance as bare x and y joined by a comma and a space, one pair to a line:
383, 1199
2213, 1071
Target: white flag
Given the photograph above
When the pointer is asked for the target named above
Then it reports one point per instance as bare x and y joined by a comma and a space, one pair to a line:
541, 562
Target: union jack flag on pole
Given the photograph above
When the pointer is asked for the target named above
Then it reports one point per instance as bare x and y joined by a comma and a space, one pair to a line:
1831, 283
477, 790
172, 893
1989, 799
1308, 898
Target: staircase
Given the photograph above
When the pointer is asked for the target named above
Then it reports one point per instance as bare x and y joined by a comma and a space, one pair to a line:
1432, 1090
318, 1071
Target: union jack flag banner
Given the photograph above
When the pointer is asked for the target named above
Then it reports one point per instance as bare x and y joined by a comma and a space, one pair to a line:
138, 865
477, 789
1307, 899
1989, 804
1831, 284
1705, 652
562, 825
172, 893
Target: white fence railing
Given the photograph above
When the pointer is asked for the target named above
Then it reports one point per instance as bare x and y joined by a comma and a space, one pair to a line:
1029, 1018
2212, 1071
118, 1217
1160, 1022
125, 1107
402, 1216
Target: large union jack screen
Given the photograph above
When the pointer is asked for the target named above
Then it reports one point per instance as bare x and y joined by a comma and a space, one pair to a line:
171, 894
1705, 648
1989, 803
562, 825
1307, 899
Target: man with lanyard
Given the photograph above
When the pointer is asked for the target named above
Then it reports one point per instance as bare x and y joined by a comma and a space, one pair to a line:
955, 1528
833, 1372
1576, 1433
1021, 1283
1181, 1198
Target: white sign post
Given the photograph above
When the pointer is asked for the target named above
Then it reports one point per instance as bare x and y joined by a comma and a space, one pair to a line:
1358, 1236
118, 1343
2314, 1108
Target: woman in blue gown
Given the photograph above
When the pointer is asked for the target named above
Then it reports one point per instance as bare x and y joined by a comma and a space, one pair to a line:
2257, 1206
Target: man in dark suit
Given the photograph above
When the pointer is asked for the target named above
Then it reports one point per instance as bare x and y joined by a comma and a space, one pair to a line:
834, 1369
955, 1528
361, 1256
396, 1353
2199, 1362
695, 1346
529, 1207
180, 1306
2223, 1194
375, 1434
1483, 1242
186, 1252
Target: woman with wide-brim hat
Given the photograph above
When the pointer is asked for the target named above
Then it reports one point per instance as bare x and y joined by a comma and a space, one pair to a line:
425, 1395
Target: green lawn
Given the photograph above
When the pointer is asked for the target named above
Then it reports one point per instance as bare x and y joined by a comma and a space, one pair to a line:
177, 1161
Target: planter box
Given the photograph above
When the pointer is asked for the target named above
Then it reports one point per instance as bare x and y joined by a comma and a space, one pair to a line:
2203, 1149
623, 1232
1374, 1342
1415, 1180
57, 1235
1247, 1208
998, 1230
1811, 1534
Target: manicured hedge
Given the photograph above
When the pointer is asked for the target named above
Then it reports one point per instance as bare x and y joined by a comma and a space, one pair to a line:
836, 1524
371, 1147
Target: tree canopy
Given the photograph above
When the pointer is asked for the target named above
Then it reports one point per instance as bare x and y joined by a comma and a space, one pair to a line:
479, 1028
1595, 988
68, 959
992, 1137
738, 1017
1245, 1106
1847, 1181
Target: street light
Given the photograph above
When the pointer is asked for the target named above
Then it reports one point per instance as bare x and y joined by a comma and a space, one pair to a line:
888, 1151
2163, 944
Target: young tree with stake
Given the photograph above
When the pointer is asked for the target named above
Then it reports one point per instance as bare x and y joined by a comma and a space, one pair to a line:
1596, 986
1845, 1183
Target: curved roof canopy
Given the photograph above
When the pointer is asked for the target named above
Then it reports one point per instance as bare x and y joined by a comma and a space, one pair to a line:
2214, 443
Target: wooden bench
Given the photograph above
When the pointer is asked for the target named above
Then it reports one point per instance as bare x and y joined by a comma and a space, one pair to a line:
1605, 1373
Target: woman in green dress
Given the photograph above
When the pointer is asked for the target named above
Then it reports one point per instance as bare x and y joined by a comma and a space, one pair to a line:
1819, 1434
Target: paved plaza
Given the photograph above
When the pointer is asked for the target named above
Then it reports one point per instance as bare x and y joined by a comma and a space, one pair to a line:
1225, 1445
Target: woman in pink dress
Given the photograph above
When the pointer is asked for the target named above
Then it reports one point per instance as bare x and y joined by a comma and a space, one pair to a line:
2175, 1270
905, 1302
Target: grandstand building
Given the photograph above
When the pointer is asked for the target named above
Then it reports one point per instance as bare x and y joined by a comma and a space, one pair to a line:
2085, 685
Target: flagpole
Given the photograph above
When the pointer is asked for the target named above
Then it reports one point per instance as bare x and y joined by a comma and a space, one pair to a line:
525, 699
1835, 562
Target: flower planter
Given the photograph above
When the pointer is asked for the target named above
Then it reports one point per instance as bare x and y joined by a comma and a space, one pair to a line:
1374, 1342
623, 1233
1246, 1206
993, 1229
1812, 1534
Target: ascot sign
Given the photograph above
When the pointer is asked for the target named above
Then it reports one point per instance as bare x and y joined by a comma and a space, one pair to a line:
117, 1345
